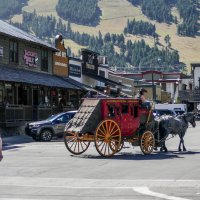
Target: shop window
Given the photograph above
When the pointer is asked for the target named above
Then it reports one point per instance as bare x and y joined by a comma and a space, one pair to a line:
14, 52
124, 109
44, 61
102, 73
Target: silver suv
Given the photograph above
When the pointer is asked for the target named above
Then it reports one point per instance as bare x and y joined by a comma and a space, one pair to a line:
160, 112
46, 129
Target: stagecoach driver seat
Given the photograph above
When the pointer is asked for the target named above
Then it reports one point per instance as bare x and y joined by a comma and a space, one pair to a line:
146, 116
142, 97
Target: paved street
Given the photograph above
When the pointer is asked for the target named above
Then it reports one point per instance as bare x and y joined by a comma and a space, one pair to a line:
38, 170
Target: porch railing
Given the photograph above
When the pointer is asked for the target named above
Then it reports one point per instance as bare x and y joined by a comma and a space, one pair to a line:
13, 115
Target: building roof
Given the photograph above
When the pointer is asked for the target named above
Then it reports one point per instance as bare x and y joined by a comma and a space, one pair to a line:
35, 78
14, 32
103, 80
89, 51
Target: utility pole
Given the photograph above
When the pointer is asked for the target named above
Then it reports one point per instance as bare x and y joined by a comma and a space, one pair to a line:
153, 86
152, 78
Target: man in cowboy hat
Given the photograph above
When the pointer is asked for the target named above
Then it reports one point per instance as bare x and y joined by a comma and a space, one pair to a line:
142, 96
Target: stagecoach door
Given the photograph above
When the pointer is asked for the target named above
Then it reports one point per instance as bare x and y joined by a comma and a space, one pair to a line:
129, 119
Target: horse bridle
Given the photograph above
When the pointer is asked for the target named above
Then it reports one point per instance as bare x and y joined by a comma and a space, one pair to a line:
192, 122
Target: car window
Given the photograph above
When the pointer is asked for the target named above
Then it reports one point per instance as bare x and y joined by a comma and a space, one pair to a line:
64, 118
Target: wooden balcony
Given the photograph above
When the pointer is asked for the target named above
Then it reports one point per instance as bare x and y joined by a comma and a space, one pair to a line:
189, 95
17, 115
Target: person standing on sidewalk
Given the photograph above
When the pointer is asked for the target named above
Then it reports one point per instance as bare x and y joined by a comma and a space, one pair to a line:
1, 155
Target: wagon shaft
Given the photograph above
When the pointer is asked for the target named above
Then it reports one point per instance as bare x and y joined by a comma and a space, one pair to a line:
87, 118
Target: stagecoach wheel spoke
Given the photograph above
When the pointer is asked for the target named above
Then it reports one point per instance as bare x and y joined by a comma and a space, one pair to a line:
74, 144
102, 132
107, 138
147, 142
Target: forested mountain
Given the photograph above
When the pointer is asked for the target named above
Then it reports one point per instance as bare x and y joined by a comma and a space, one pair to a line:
190, 15
140, 28
160, 10
132, 53
84, 12
10, 7
138, 39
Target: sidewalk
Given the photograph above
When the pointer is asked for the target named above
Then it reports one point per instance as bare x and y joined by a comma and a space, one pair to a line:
16, 140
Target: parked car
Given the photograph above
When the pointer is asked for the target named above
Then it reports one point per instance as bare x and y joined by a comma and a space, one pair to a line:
46, 129
159, 112
1, 147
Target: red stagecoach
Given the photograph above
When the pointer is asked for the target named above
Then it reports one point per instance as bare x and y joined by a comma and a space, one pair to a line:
109, 123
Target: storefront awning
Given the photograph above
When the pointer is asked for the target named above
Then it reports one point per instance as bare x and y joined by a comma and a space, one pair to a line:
78, 84
103, 80
35, 78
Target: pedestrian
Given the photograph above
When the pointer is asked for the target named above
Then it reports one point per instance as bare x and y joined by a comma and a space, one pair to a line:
118, 93
5, 102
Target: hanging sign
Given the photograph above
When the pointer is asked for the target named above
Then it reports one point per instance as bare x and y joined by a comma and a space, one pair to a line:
30, 58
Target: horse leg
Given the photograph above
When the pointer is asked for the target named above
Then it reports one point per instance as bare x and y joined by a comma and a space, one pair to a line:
179, 147
163, 147
184, 149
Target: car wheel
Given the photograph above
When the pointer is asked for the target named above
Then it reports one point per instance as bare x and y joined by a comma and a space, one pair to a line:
46, 135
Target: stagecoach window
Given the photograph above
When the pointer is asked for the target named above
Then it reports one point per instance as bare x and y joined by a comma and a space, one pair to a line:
111, 111
132, 111
118, 110
135, 111
124, 109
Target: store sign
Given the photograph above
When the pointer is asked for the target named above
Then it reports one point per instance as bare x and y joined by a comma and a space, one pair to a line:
61, 61
1, 51
74, 70
90, 62
30, 58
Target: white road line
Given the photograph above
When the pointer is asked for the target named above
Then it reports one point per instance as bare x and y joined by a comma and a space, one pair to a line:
146, 191
4, 198
92, 183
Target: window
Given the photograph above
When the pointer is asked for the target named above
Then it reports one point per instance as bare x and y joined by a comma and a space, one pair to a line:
136, 111
14, 54
101, 73
124, 109
111, 111
65, 118
44, 61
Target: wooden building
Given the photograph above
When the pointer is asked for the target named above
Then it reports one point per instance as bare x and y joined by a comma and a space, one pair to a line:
33, 77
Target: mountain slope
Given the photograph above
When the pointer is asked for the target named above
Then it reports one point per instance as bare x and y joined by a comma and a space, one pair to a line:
114, 18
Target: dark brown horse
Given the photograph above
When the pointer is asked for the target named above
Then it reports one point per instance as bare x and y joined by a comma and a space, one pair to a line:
166, 125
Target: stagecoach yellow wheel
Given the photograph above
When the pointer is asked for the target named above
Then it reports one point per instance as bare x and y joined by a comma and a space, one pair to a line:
74, 143
147, 142
107, 138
